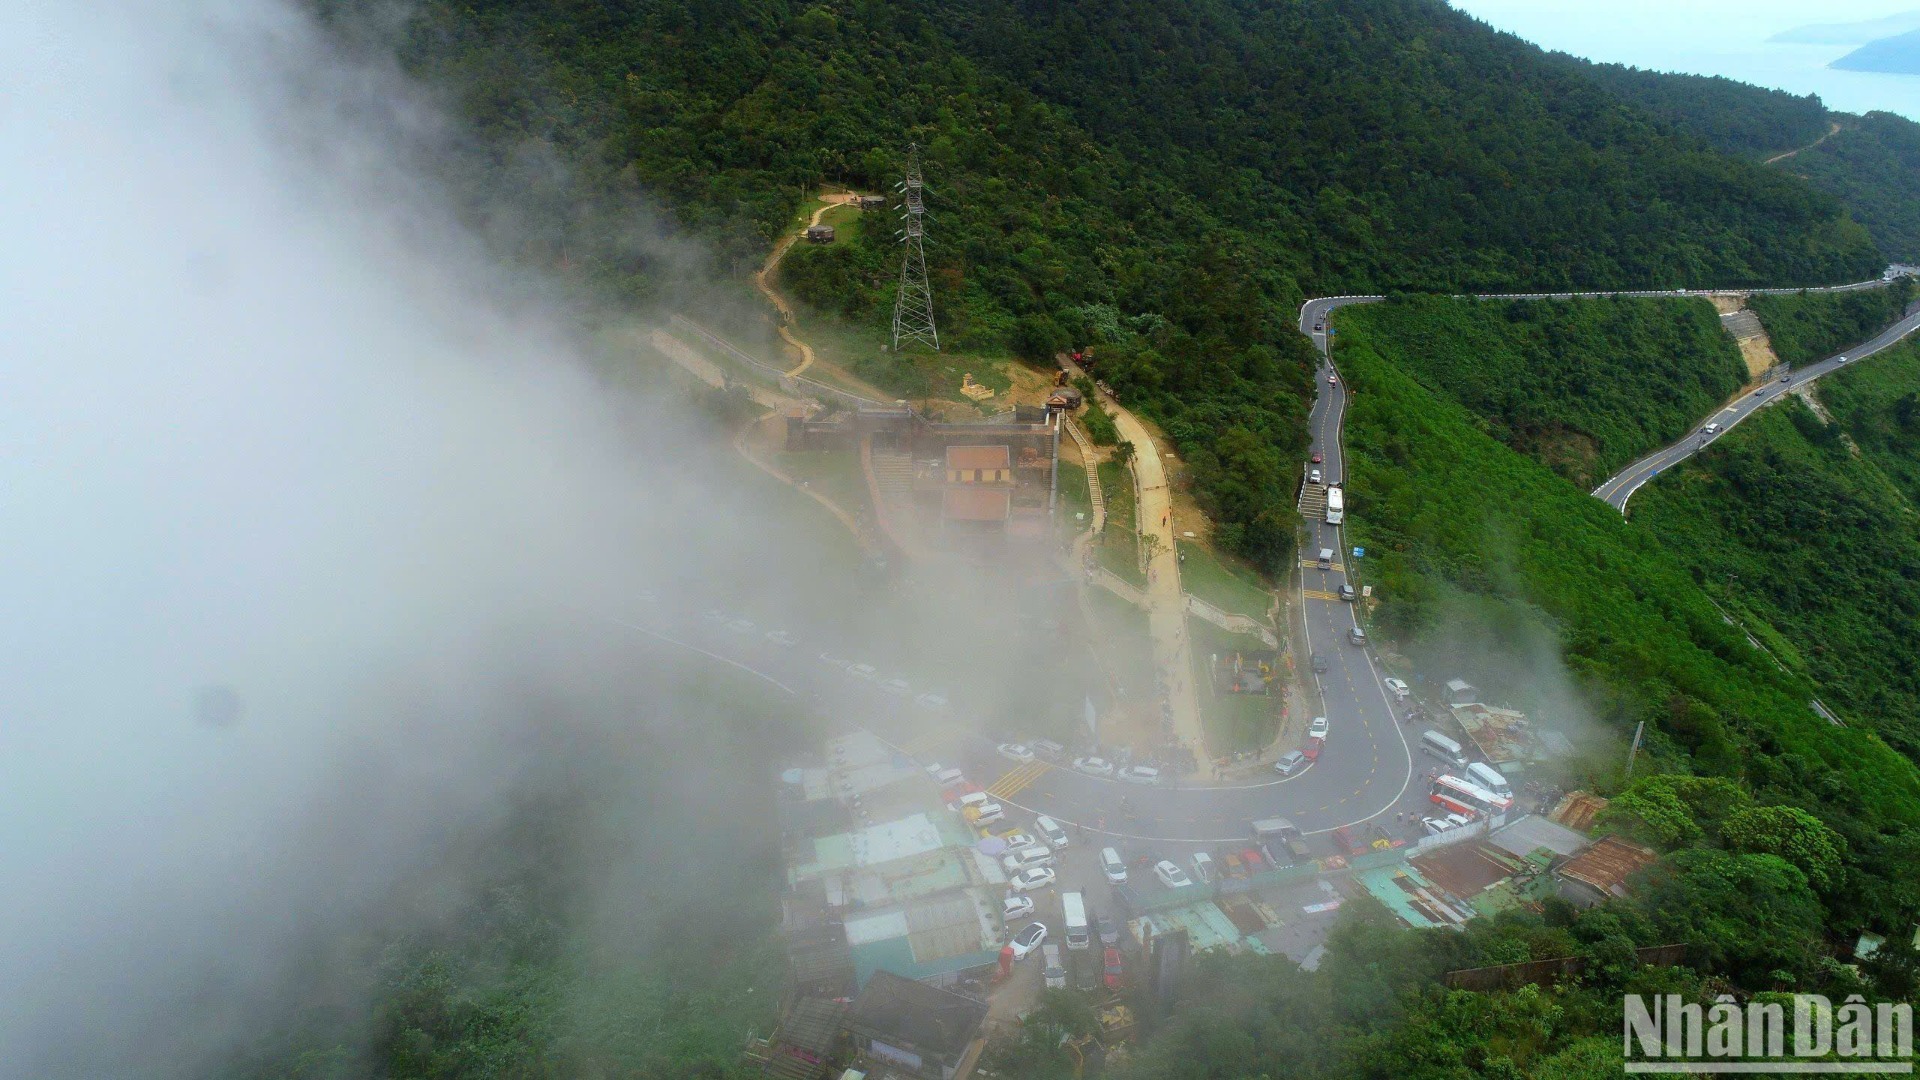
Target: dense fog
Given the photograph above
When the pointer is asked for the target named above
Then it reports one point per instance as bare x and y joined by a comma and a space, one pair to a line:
311, 515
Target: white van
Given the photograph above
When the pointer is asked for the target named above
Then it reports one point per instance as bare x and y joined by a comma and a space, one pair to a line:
1326, 559
948, 777
1488, 777
1115, 868
1079, 936
1051, 831
1054, 972
1433, 744
1027, 858
1203, 868
979, 808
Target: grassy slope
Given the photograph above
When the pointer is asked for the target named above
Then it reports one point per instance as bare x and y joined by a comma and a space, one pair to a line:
1447, 511
1805, 327
1786, 522
1584, 387
1877, 402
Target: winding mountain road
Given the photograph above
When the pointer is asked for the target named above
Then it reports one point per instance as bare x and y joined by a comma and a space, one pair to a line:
1314, 315
1367, 769
1620, 487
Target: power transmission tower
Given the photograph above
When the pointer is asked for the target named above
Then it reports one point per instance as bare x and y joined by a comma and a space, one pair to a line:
913, 308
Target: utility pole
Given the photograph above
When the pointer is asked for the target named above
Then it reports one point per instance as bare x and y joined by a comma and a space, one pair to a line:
913, 307
1638, 730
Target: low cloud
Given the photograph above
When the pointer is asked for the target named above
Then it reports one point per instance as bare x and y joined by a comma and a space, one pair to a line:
308, 508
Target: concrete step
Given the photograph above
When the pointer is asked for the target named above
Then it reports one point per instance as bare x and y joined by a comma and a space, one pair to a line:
1743, 325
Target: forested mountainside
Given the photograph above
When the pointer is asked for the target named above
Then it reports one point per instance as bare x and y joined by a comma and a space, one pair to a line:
1164, 181
1584, 387
1870, 163
1468, 537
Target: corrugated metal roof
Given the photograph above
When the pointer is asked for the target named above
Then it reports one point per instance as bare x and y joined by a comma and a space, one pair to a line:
1607, 865
1531, 833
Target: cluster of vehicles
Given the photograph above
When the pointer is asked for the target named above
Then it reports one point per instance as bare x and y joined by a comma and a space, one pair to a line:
1467, 791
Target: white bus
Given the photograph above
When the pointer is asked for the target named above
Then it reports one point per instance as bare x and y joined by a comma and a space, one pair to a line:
1465, 798
1336, 506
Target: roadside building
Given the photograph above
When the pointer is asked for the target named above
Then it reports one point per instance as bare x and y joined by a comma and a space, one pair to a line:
805, 1044
1601, 872
920, 1030
819, 234
1460, 691
980, 465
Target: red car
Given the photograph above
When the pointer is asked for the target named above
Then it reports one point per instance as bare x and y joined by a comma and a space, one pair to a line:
1316, 458
1114, 969
1312, 750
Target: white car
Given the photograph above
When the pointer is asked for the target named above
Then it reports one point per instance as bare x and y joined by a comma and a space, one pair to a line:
781, 638
1317, 729
985, 813
1014, 751
1016, 907
714, 615
1140, 774
1049, 828
1093, 766
863, 672
933, 702
833, 661
741, 626
1017, 840
897, 687
1841, 360
1171, 875
1028, 939
1710, 429
1398, 688
1037, 877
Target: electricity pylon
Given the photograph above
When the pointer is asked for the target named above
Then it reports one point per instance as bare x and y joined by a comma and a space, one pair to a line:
913, 307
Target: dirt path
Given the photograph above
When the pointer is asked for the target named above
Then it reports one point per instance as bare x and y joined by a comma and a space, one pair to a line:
1832, 130
1166, 603
763, 278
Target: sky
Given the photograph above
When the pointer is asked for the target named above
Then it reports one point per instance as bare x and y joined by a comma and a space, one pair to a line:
1713, 37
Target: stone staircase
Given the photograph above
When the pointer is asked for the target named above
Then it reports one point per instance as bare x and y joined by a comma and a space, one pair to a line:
1093, 475
893, 476
1313, 502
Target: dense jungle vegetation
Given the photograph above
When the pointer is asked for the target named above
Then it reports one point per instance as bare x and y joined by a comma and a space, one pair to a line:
1871, 163
1584, 386
1165, 183
1805, 327
1462, 524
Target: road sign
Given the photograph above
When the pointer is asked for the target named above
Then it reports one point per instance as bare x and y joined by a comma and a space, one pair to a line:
1366, 590
1359, 553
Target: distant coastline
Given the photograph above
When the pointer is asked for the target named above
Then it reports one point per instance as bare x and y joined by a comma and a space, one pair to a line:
1896, 55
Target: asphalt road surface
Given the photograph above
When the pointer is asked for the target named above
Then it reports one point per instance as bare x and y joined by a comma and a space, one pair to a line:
1619, 488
